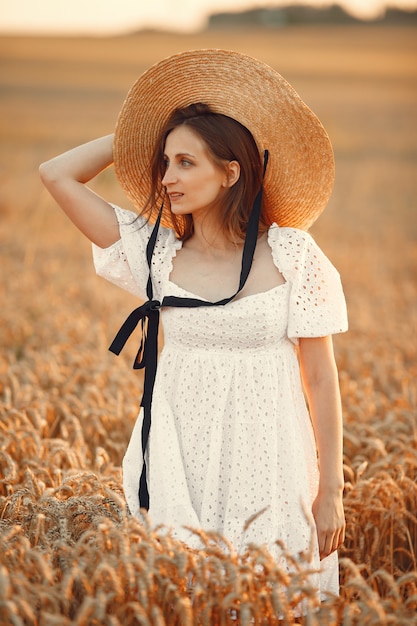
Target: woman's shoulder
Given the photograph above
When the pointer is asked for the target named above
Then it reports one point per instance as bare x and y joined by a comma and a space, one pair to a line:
295, 250
125, 262
289, 244
131, 222
288, 235
317, 304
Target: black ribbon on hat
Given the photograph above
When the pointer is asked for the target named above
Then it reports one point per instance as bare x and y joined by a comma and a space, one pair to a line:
148, 314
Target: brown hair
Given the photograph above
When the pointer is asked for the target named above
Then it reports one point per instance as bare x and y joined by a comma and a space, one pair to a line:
226, 140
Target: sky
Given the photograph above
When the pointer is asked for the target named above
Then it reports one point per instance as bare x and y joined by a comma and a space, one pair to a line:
119, 16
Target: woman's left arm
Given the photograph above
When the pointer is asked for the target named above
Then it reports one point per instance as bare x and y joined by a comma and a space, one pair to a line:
321, 384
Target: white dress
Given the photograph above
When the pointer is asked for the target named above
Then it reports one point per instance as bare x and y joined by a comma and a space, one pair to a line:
231, 433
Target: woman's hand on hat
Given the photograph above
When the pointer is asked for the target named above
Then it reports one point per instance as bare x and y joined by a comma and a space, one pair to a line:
65, 177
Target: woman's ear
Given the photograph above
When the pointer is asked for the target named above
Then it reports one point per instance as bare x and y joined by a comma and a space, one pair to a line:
232, 173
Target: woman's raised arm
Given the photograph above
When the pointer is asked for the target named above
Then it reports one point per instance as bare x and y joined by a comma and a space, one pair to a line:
65, 177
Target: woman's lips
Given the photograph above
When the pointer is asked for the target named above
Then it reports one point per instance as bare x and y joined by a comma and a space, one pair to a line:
175, 195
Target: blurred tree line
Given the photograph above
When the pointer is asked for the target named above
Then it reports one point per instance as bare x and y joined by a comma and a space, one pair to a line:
291, 15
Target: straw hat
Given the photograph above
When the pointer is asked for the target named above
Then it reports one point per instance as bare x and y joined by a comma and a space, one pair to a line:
300, 173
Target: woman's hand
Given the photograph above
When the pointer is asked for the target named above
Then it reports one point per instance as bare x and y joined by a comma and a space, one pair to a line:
329, 516
66, 176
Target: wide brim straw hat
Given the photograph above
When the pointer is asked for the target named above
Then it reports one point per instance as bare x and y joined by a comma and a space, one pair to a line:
300, 173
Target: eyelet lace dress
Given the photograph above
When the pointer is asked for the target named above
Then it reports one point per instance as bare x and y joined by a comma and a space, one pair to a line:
231, 434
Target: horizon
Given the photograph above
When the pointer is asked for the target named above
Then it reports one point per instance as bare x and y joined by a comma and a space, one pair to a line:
47, 17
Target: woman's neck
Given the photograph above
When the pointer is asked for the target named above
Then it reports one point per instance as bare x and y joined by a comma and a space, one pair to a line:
209, 237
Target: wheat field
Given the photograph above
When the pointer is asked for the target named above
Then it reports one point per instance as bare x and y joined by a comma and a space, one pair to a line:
69, 552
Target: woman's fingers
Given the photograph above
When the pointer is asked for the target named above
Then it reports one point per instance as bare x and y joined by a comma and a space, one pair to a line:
330, 541
330, 522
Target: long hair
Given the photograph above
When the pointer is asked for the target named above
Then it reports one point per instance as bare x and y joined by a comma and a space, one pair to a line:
226, 140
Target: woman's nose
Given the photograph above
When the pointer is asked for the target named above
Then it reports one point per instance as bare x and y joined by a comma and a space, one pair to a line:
169, 176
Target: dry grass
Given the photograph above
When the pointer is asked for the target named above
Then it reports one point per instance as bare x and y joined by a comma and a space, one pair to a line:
69, 552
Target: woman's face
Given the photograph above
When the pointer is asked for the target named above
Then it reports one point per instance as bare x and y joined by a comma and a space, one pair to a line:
193, 181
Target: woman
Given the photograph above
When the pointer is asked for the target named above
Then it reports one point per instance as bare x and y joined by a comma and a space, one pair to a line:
228, 168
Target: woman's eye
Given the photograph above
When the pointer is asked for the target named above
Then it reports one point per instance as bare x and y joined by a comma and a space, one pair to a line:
185, 162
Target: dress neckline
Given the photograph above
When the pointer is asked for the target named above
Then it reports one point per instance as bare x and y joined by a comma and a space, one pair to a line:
249, 296
178, 246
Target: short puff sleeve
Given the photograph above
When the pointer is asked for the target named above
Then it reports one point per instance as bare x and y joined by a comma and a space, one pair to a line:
124, 263
317, 305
